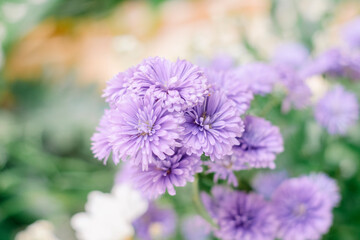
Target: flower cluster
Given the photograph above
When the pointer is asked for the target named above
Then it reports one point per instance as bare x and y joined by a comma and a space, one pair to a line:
165, 115
299, 208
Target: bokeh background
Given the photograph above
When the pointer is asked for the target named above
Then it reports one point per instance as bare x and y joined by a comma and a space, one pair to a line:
56, 56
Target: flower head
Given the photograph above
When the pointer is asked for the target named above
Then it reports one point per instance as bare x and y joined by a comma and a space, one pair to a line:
212, 203
337, 110
118, 87
351, 33
245, 216
139, 129
292, 55
301, 209
259, 144
212, 127
259, 77
327, 186
179, 85
195, 228
155, 223
266, 183
224, 169
235, 89
162, 175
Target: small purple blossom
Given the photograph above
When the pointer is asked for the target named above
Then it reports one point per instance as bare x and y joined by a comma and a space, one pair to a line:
337, 110
138, 129
259, 144
330, 62
156, 223
232, 86
222, 62
118, 87
265, 183
180, 85
100, 141
224, 169
259, 77
212, 127
301, 209
164, 175
298, 93
245, 216
292, 55
195, 228
351, 33
212, 203
327, 186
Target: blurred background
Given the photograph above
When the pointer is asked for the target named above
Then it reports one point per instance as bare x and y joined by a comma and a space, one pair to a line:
56, 56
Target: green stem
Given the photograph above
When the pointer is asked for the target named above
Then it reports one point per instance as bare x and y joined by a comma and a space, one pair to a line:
198, 205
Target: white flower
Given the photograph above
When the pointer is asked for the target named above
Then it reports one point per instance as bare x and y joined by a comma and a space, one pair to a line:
109, 216
39, 230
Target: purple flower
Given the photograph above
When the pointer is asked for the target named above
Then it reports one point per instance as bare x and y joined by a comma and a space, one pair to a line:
212, 127
118, 87
222, 62
195, 228
180, 85
101, 145
162, 175
292, 55
351, 33
232, 86
245, 216
302, 211
212, 203
298, 93
330, 62
260, 77
156, 223
326, 186
224, 169
259, 143
138, 129
265, 183
337, 110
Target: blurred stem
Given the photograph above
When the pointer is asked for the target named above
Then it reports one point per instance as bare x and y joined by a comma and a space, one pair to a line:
198, 205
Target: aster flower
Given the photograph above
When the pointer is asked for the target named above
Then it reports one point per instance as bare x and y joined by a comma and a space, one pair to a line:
212, 203
298, 93
222, 62
330, 62
109, 216
212, 127
179, 86
230, 84
351, 33
118, 87
100, 141
245, 216
326, 186
292, 55
224, 169
301, 209
138, 129
195, 228
265, 183
337, 110
155, 223
259, 143
162, 175
259, 77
